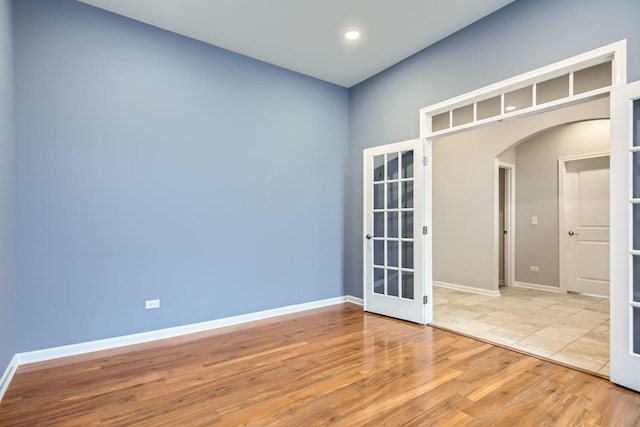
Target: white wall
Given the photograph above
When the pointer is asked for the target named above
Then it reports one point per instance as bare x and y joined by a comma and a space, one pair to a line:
537, 194
464, 247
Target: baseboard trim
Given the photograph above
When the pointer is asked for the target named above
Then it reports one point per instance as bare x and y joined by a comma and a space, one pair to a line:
469, 289
8, 375
143, 337
538, 287
355, 300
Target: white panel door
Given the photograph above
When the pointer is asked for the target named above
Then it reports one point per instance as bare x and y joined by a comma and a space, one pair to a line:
625, 235
586, 208
395, 254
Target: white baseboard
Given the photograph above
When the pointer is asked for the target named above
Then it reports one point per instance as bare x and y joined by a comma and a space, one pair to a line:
538, 287
8, 375
355, 300
110, 343
470, 289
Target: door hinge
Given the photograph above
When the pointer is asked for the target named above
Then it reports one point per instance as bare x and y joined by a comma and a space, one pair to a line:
425, 161
425, 299
425, 230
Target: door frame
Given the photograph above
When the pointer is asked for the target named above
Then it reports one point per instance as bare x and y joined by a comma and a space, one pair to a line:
562, 237
509, 222
620, 210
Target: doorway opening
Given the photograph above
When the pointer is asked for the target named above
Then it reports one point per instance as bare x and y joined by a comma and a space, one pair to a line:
533, 314
505, 210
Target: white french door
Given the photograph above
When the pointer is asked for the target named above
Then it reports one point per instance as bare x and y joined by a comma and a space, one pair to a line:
397, 256
625, 235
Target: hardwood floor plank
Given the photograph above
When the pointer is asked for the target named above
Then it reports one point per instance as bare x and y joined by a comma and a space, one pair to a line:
335, 365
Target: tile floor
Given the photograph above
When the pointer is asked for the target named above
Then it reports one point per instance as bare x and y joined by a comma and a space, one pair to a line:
572, 329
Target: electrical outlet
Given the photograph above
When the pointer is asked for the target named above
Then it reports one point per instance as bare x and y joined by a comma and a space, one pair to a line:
152, 303
534, 268
534, 220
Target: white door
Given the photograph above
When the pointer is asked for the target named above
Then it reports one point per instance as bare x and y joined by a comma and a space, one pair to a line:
585, 233
395, 256
625, 235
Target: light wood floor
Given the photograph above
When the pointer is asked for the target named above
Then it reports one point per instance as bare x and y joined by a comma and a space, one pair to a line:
335, 366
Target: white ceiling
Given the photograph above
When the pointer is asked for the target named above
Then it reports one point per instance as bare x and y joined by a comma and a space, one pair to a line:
306, 36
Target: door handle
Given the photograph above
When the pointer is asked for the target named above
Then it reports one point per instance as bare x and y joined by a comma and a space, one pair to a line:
368, 236
571, 233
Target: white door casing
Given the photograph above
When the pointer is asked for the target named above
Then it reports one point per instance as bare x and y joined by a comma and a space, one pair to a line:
625, 226
584, 224
625, 297
396, 252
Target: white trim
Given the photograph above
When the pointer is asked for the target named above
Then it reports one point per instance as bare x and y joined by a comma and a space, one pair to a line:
470, 289
562, 237
110, 343
538, 287
616, 52
8, 375
354, 300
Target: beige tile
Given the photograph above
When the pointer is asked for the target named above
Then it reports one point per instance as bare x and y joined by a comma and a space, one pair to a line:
513, 332
534, 304
562, 332
589, 350
601, 307
592, 313
583, 322
543, 344
551, 315
474, 327
480, 309
605, 370
491, 320
566, 307
465, 314
600, 334
477, 299
519, 311
540, 322
504, 316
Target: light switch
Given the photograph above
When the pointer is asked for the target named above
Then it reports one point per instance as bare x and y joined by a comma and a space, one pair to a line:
534, 220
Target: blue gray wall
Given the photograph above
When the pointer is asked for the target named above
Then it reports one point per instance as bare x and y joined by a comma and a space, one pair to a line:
7, 291
523, 36
150, 165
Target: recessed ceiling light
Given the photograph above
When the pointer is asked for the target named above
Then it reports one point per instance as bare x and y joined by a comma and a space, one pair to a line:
509, 108
352, 35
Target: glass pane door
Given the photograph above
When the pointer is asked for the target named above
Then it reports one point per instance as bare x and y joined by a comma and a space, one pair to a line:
393, 236
634, 303
625, 235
